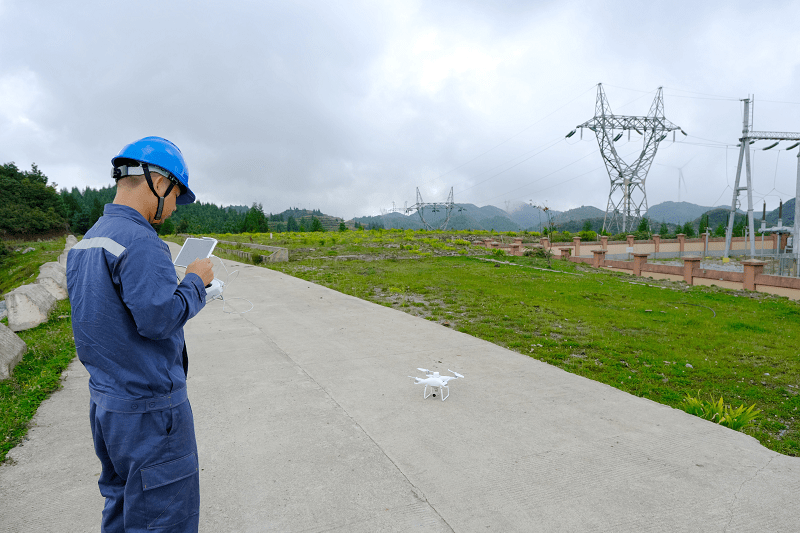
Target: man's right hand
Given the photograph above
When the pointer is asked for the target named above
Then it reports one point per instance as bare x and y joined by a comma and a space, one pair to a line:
203, 268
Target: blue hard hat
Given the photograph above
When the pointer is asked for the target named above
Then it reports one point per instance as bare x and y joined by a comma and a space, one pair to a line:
161, 153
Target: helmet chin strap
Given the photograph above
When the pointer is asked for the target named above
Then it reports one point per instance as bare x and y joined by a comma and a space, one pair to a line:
146, 168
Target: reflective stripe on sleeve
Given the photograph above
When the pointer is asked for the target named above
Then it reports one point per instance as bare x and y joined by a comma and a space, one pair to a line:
109, 245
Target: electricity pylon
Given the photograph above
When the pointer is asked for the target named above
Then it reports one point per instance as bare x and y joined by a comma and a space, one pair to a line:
420, 206
748, 138
627, 200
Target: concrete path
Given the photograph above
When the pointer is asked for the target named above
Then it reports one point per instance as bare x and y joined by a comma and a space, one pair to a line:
306, 422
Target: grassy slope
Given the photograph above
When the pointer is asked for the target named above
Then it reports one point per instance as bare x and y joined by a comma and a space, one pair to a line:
50, 347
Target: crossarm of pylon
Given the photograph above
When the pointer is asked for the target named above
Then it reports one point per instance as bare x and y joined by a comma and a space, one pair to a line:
773, 136
629, 123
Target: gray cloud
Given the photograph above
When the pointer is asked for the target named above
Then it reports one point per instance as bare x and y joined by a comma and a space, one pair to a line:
350, 106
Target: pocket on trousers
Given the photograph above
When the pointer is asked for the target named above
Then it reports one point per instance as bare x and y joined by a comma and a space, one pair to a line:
171, 491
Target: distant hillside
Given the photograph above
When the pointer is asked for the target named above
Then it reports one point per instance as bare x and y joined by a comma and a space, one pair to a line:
578, 214
772, 216
676, 212
463, 217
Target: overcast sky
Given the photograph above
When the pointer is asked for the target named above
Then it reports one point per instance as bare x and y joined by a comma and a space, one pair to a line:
349, 106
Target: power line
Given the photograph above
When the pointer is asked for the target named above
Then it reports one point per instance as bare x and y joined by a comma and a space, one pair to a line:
512, 137
553, 143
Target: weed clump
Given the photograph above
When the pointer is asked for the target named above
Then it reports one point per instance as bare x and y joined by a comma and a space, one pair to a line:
717, 411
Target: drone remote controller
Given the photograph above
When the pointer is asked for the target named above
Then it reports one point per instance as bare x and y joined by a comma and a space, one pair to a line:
214, 289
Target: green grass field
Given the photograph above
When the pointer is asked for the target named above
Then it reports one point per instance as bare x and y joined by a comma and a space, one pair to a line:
50, 345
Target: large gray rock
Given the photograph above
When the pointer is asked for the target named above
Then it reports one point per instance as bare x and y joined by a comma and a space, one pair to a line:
54, 280
12, 348
53, 265
28, 306
71, 241
62, 259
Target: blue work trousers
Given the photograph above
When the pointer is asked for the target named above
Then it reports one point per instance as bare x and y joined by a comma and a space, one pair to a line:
150, 477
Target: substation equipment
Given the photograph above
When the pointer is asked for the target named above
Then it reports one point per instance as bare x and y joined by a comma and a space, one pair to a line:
748, 138
627, 199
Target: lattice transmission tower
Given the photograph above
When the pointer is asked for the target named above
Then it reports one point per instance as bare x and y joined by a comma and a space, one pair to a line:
435, 207
627, 200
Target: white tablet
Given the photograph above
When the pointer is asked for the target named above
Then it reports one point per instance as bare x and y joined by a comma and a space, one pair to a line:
195, 249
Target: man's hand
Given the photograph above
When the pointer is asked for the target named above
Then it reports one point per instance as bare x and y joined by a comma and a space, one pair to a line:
203, 268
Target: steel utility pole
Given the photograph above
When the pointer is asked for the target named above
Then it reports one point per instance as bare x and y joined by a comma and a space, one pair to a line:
749, 137
627, 200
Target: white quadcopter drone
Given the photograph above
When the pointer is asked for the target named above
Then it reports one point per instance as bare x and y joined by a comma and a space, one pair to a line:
436, 382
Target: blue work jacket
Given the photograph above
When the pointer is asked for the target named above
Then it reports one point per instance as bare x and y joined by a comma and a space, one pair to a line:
128, 309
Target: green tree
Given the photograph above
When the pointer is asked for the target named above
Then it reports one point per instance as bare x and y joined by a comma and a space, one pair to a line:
167, 227
703, 223
30, 206
255, 221
587, 226
342, 226
316, 225
183, 226
719, 231
688, 229
663, 230
644, 225
291, 224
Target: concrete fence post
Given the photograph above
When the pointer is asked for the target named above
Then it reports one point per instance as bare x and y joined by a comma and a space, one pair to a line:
545, 243
689, 264
639, 261
631, 239
681, 241
599, 258
656, 243
576, 243
752, 268
604, 241
565, 253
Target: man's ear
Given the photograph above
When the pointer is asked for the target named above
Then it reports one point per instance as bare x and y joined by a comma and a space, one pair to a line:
160, 182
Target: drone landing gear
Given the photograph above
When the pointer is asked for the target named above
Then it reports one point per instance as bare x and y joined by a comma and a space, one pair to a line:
434, 391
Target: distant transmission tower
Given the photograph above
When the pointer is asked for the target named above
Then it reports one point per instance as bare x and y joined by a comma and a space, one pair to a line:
627, 200
420, 206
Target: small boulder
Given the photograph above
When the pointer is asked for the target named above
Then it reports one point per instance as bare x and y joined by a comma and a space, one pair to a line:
28, 306
71, 241
12, 348
55, 281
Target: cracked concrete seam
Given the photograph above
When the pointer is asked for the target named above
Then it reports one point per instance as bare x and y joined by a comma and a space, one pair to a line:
731, 509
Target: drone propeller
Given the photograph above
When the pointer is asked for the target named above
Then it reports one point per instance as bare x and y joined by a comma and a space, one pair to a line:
456, 373
423, 370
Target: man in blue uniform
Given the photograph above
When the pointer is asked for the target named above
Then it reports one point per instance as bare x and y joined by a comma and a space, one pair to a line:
128, 313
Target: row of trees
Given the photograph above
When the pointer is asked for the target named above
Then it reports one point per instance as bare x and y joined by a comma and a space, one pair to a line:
32, 206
